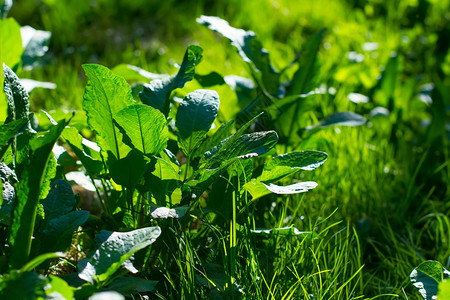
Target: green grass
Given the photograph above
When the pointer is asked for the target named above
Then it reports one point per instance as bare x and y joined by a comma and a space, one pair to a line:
382, 204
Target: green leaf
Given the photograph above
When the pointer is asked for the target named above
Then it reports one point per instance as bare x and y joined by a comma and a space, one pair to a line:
35, 262
28, 193
8, 179
107, 295
258, 189
230, 140
444, 290
210, 79
246, 146
197, 112
157, 92
59, 231
35, 44
221, 134
287, 164
114, 249
9, 131
342, 118
145, 128
285, 231
158, 212
427, 276
303, 80
130, 170
295, 188
130, 285
106, 94
250, 49
60, 200
22, 285
89, 157
58, 288
388, 81
163, 181
11, 42
133, 73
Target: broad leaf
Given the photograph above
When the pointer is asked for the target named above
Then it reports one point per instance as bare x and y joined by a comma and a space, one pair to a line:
221, 134
246, 146
7, 179
89, 157
197, 112
58, 233
295, 188
133, 73
129, 170
444, 290
164, 212
210, 79
9, 131
287, 164
22, 285
58, 288
250, 49
426, 278
157, 92
342, 118
12, 41
60, 200
129, 285
28, 193
35, 43
303, 80
144, 128
258, 189
114, 249
164, 183
106, 94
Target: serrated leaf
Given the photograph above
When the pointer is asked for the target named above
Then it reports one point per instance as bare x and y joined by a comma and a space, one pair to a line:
114, 249
342, 118
197, 112
84, 153
157, 92
106, 94
145, 128
427, 276
60, 200
246, 146
58, 233
287, 164
249, 48
158, 212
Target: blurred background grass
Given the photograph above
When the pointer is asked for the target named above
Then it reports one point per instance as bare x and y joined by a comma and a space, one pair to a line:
389, 180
